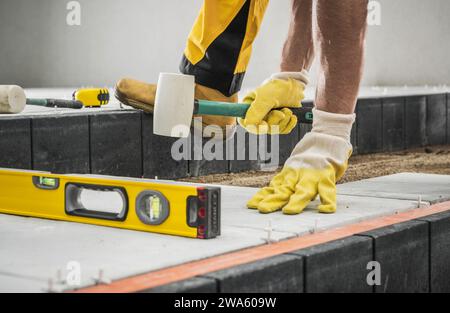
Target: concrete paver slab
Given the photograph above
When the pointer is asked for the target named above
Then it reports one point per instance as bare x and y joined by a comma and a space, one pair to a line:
39, 248
350, 210
19, 284
405, 186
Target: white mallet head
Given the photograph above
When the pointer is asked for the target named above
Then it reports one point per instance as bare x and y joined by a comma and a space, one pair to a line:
12, 99
174, 105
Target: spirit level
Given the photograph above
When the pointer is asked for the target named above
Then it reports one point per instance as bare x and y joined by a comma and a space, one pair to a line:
138, 204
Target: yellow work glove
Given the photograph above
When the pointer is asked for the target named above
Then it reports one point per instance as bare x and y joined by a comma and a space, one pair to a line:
269, 113
317, 162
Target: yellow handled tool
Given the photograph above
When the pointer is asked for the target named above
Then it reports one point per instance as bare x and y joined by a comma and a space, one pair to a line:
138, 204
92, 97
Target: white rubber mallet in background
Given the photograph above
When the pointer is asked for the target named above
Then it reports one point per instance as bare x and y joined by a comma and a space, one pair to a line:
12, 99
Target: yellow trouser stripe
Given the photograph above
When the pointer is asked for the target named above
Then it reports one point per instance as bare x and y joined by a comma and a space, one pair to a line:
214, 18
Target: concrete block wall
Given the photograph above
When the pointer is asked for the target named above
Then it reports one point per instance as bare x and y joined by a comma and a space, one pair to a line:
121, 143
413, 257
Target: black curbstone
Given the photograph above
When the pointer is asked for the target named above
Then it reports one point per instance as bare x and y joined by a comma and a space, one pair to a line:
436, 119
369, 126
415, 121
281, 273
116, 147
201, 165
239, 154
15, 143
439, 251
393, 123
157, 157
270, 153
448, 118
303, 130
338, 266
287, 144
61, 144
403, 253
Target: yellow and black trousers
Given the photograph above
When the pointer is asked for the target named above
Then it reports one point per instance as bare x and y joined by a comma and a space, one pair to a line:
219, 46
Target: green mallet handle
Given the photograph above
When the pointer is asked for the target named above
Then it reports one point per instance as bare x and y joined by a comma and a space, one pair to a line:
204, 107
52, 103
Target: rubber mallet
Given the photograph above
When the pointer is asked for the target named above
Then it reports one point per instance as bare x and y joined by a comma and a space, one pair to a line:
175, 106
13, 101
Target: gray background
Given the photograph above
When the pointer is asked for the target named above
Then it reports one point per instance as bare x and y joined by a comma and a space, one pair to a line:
140, 38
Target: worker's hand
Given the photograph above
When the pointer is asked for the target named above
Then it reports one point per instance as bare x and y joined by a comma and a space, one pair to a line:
270, 103
317, 162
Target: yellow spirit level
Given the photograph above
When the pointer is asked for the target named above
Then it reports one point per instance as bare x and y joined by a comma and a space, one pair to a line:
137, 204
92, 97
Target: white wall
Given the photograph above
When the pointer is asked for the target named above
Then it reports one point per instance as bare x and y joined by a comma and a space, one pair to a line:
412, 45
141, 38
